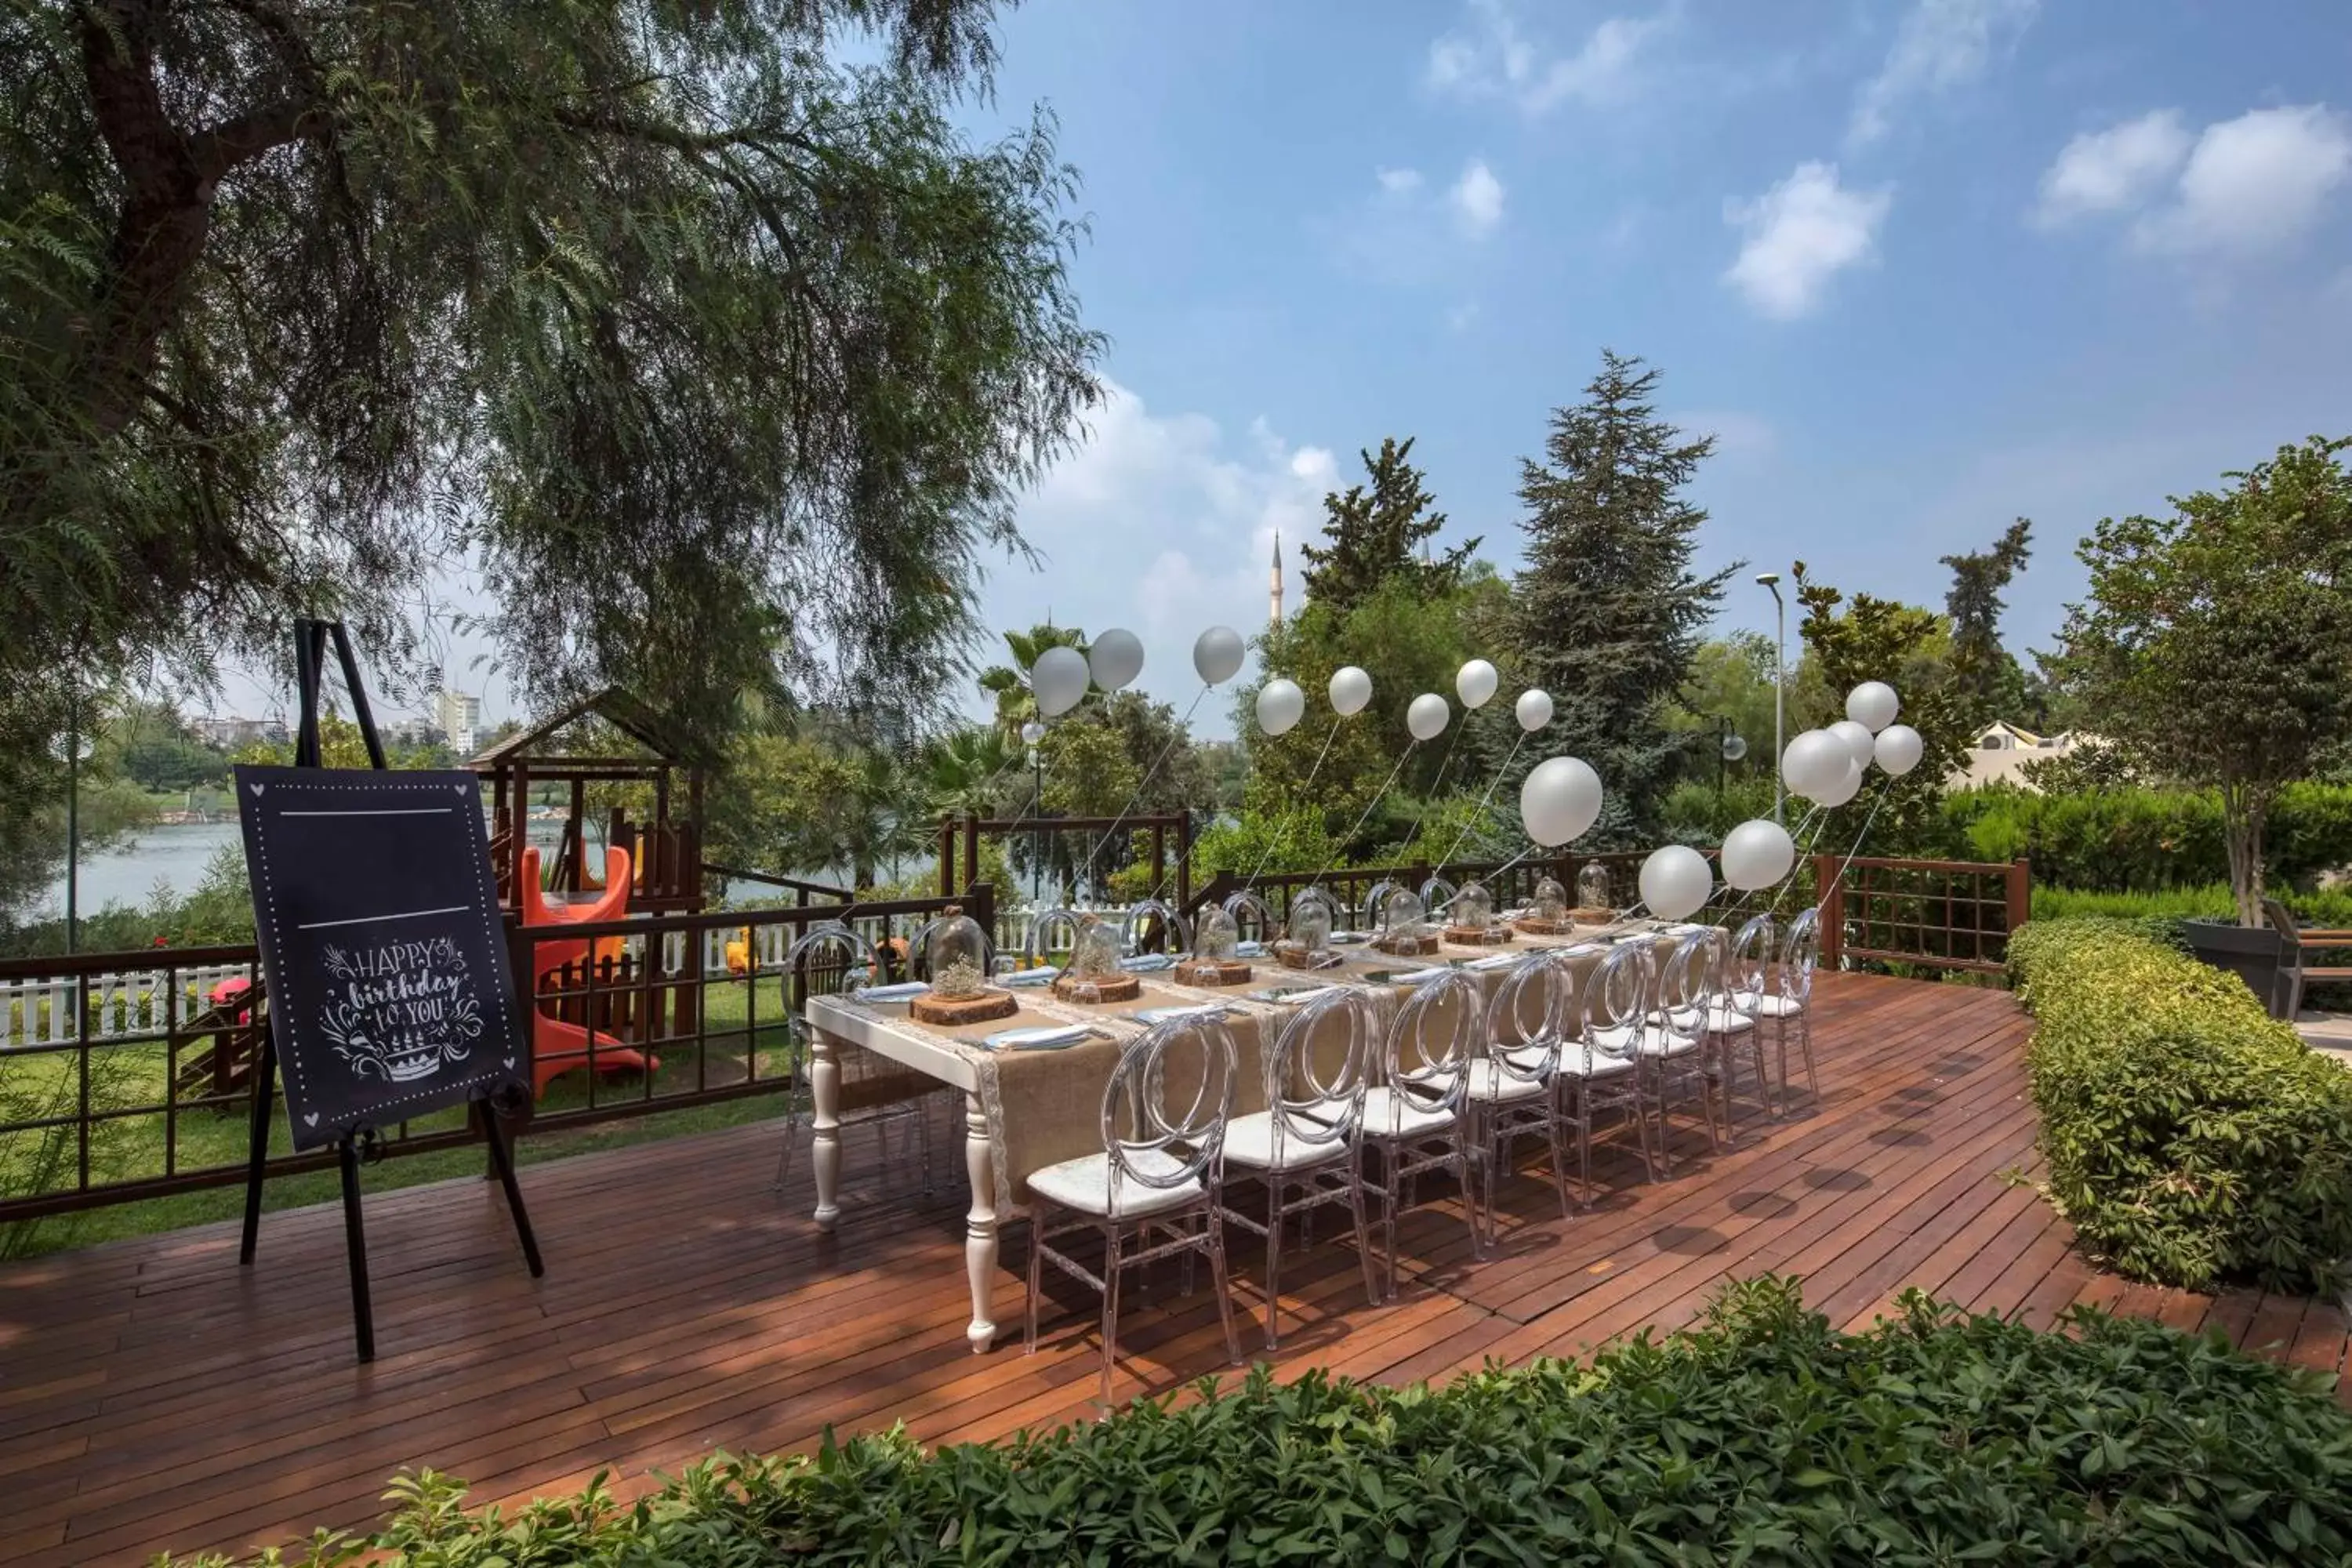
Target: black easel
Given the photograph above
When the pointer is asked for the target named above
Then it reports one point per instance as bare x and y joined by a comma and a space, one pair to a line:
310, 639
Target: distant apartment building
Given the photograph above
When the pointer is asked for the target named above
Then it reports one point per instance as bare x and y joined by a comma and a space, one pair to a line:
460, 717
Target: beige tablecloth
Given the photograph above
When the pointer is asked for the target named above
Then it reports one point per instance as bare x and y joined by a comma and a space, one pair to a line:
1045, 1106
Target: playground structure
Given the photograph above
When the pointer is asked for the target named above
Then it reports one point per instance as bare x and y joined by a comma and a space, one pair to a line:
558, 1045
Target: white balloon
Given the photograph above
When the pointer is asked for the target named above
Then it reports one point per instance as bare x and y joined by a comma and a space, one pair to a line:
1217, 655
1032, 733
1116, 659
1280, 705
1675, 882
1872, 705
1756, 855
1351, 689
1476, 683
1860, 743
1900, 748
1848, 786
1559, 801
1534, 709
1427, 716
1058, 680
1814, 760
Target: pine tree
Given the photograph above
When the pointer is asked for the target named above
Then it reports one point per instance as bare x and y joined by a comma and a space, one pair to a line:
1607, 610
1374, 535
1986, 675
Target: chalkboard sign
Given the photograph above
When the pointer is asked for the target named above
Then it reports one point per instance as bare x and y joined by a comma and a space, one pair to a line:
389, 993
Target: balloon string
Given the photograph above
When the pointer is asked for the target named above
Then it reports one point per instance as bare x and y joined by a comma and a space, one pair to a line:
1143, 783
1484, 801
1435, 780
1367, 816
1282, 833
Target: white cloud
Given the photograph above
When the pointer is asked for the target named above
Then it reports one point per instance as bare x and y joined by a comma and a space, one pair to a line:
1942, 43
2112, 170
1477, 198
2253, 184
1397, 182
1211, 504
1491, 59
1801, 234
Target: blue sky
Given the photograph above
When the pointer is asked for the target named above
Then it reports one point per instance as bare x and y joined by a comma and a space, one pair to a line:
1923, 266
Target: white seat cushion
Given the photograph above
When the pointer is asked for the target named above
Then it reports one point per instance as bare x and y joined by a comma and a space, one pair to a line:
1249, 1140
1767, 1005
1723, 1021
1488, 1085
1385, 1114
1578, 1063
1084, 1184
1655, 1041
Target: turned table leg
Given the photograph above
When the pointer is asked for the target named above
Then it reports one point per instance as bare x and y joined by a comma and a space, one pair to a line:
824, 1132
979, 1225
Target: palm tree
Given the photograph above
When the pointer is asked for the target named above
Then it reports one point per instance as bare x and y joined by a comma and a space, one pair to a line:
1010, 684
967, 769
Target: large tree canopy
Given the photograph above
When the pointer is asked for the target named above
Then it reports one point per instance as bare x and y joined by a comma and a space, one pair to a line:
721, 357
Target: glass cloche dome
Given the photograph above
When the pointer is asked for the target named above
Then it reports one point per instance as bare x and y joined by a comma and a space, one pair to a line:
1474, 906
1096, 954
1550, 901
1592, 887
955, 955
1402, 913
1310, 921
1216, 936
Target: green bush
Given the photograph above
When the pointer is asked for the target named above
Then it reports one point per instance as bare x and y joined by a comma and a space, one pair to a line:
2331, 907
2130, 840
2192, 1138
1764, 1436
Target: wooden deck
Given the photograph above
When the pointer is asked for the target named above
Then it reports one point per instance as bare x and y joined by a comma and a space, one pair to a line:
153, 1395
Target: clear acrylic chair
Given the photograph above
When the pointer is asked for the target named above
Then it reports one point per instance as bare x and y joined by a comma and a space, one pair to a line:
1414, 1115
1732, 1016
1510, 1092
1791, 997
1158, 1181
1305, 1145
1667, 1042
1597, 1071
874, 1091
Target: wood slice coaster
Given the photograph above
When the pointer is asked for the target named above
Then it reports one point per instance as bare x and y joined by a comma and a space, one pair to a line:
952, 1011
1407, 946
1534, 927
1103, 988
1478, 936
1213, 972
1592, 917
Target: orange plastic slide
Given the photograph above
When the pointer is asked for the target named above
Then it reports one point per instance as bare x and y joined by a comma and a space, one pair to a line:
556, 1046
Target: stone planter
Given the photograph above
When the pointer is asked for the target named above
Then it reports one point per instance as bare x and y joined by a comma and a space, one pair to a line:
2253, 953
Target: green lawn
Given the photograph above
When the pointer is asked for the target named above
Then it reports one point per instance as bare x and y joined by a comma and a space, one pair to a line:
132, 1078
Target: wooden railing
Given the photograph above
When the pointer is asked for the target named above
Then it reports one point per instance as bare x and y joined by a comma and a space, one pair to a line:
123, 1077
1952, 915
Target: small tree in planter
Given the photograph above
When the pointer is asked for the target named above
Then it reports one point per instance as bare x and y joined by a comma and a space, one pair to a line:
2216, 645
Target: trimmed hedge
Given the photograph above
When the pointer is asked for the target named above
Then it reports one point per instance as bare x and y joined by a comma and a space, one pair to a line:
1764, 1436
2192, 1138
2138, 840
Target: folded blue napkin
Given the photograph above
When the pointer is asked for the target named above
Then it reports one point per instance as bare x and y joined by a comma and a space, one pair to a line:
1045, 1037
1042, 975
1161, 1014
1249, 950
1416, 976
1147, 962
898, 992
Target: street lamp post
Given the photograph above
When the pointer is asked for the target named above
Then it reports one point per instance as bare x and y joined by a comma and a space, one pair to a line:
1779, 680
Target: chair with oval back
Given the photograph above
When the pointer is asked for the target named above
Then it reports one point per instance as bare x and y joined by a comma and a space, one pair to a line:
1792, 997
1158, 1181
1414, 1115
878, 1092
1598, 1072
1304, 1146
1510, 1092
1669, 1043
1733, 1015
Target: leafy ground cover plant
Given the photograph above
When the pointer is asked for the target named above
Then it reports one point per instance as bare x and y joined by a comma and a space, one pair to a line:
2192, 1138
1762, 1435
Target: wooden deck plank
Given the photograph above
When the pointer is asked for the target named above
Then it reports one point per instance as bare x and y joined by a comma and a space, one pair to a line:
155, 1395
